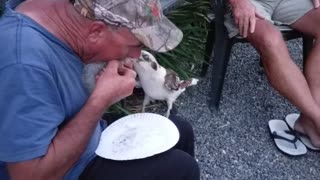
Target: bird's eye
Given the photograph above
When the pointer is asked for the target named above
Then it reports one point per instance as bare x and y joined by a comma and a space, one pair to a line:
146, 57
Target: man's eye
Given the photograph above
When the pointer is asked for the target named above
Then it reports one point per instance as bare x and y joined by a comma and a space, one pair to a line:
146, 57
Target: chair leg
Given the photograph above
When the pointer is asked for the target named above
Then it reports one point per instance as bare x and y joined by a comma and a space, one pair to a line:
208, 50
307, 46
222, 48
219, 67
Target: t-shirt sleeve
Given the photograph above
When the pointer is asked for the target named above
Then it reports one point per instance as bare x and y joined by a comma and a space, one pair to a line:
30, 111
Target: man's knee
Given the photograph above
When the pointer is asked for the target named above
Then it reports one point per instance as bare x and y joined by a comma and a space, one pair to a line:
266, 38
184, 126
183, 165
272, 40
186, 141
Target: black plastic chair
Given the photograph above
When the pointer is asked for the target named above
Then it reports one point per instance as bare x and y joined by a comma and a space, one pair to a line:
218, 56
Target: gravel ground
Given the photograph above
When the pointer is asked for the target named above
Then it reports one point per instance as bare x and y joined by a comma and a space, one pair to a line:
235, 143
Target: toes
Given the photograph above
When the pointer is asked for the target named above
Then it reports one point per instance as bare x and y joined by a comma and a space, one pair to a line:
300, 126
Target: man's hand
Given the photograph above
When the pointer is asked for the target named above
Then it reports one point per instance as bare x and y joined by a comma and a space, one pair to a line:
316, 3
244, 14
115, 82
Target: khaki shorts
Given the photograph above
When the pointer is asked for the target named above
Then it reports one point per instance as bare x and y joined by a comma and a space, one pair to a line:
279, 12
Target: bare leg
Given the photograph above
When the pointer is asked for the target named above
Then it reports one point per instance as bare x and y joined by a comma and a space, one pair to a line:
146, 101
308, 24
281, 71
169, 104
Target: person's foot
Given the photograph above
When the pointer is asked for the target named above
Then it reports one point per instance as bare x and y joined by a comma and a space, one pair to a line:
305, 126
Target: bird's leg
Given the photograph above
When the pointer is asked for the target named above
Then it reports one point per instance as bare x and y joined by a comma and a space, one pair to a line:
169, 104
146, 101
152, 101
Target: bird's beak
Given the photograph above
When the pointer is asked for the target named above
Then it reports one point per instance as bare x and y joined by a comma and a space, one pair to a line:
136, 62
139, 60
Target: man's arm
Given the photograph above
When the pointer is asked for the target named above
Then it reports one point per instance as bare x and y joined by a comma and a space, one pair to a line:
245, 16
71, 141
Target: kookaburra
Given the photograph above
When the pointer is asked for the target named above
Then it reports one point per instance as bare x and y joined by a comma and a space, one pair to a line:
159, 83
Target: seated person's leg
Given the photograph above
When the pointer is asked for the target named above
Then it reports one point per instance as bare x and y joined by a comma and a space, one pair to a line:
284, 75
304, 18
280, 69
171, 165
186, 140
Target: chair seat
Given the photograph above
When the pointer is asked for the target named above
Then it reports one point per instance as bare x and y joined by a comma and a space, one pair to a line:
284, 28
287, 33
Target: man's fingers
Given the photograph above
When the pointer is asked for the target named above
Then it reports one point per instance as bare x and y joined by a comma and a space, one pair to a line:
123, 71
240, 27
113, 66
252, 24
236, 22
258, 15
130, 73
245, 27
128, 63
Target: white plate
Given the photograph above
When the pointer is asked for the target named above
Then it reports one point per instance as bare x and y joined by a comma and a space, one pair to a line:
137, 136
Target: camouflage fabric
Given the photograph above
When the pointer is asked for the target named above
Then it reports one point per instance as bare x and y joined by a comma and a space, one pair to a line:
144, 18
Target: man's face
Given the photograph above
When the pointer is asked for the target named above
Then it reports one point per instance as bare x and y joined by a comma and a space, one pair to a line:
116, 44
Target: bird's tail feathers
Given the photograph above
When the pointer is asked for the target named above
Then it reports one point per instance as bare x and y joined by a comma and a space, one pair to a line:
194, 81
189, 82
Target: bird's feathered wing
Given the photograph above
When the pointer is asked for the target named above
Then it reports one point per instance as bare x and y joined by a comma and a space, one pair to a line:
171, 80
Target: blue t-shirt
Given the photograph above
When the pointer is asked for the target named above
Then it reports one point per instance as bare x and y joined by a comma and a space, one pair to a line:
40, 91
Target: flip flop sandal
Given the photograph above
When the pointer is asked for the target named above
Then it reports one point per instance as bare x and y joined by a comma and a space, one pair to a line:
286, 140
291, 120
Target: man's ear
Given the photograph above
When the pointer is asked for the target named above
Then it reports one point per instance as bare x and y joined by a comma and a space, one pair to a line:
96, 31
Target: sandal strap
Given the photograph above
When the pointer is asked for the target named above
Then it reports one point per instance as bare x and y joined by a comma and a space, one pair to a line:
293, 141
